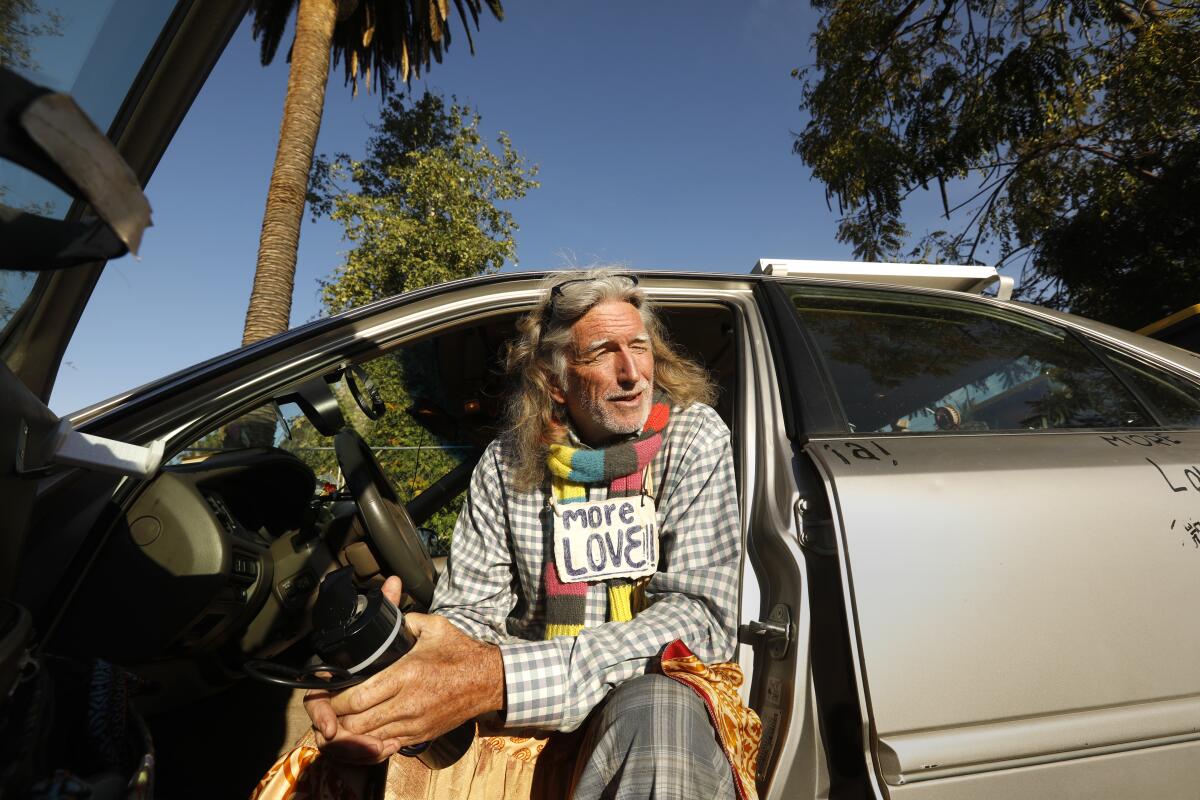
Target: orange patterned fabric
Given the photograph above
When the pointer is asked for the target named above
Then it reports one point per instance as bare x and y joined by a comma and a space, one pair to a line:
738, 727
511, 767
494, 767
300, 774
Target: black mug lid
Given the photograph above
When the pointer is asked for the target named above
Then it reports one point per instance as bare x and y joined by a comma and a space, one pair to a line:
350, 627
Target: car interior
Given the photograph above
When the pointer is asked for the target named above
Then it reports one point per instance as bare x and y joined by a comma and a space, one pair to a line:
217, 560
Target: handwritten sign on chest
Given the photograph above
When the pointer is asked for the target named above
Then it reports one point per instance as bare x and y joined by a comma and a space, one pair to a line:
615, 538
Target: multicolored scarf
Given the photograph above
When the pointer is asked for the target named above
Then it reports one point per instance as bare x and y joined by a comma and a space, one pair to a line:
572, 469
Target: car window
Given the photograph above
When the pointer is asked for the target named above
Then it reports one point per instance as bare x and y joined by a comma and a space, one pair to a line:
419, 439
432, 423
270, 425
443, 397
908, 363
1176, 399
90, 50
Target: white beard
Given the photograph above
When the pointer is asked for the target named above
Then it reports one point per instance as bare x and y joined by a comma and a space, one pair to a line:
604, 417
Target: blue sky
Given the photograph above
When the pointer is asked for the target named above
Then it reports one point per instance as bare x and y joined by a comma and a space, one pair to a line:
662, 130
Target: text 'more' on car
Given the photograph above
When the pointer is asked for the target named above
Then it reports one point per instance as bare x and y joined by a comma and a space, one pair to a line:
972, 526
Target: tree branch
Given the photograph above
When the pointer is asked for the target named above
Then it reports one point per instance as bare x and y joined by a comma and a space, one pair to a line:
892, 33
1137, 172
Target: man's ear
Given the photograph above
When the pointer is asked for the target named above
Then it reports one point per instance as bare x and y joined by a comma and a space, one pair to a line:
556, 391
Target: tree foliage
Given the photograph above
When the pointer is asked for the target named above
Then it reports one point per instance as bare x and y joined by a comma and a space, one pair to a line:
424, 206
22, 21
1062, 136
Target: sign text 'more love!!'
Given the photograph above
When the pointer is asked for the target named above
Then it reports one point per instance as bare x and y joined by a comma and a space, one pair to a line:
615, 538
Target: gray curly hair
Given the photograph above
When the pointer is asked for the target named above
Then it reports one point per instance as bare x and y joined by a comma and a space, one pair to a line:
540, 351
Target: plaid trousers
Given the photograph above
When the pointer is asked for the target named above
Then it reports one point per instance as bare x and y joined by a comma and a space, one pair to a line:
651, 738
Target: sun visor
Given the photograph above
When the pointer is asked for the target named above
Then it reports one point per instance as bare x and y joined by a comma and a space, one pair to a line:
48, 134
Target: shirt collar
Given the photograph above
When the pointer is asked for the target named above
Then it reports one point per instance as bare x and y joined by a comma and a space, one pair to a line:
574, 440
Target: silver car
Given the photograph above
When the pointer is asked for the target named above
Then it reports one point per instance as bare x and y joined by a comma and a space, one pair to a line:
972, 526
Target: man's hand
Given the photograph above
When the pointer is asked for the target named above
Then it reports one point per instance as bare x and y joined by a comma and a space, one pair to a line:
445, 679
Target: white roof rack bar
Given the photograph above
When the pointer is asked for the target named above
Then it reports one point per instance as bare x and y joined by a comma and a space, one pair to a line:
954, 277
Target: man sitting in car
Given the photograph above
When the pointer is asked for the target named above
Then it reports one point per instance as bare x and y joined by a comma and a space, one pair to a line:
601, 526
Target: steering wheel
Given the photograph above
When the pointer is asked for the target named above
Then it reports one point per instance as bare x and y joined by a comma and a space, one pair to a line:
387, 522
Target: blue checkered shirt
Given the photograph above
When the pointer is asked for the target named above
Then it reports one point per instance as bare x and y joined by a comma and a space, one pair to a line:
493, 590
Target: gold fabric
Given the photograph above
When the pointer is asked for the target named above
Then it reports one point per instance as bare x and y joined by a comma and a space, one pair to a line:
495, 767
738, 727
511, 767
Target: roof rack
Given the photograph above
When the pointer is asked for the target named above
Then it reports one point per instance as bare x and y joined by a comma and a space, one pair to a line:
954, 277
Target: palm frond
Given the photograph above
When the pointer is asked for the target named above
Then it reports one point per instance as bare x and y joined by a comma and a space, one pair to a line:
463, 18
270, 21
379, 40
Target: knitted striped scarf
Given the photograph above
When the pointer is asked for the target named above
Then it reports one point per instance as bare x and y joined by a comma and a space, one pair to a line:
572, 469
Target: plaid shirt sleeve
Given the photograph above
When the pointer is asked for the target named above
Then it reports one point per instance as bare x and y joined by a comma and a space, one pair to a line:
476, 592
555, 684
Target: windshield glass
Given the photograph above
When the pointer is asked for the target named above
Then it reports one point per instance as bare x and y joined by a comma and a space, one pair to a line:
89, 49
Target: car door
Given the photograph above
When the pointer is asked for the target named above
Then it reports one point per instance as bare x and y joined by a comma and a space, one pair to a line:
1016, 514
135, 68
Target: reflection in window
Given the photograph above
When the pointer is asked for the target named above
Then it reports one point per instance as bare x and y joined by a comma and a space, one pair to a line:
1176, 400
14, 288
89, 49
908, 363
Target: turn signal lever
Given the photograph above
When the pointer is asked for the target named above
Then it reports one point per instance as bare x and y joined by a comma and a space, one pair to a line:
356, 634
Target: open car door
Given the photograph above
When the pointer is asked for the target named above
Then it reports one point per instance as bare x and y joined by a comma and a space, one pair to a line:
51, 262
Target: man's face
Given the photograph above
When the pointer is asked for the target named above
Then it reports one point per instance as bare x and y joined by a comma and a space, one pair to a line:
610, 374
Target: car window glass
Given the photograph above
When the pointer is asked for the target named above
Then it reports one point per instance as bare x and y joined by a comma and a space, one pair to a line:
1176, 399
428, 429
433, 422
905, 362
267, 426
89, 49
14, 288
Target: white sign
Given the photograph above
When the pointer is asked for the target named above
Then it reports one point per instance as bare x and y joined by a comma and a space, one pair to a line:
615, 538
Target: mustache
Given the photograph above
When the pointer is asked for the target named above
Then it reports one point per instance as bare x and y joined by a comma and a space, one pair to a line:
642, 386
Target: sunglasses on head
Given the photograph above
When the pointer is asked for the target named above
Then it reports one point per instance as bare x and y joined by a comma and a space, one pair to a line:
557, 290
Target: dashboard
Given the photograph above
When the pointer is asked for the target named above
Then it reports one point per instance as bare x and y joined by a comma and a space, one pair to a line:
215, 560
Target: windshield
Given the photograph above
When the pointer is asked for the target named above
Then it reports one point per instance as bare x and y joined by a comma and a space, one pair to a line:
90, 49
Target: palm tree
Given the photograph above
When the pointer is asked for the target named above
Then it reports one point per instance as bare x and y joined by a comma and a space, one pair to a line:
375, 39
